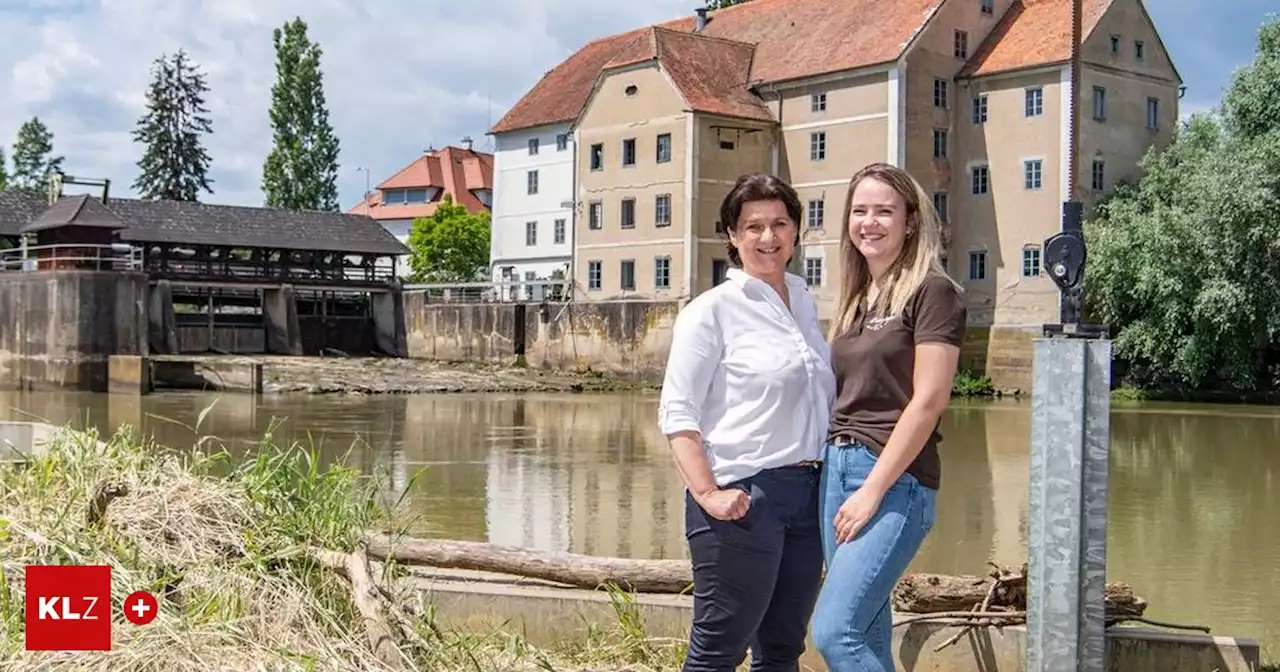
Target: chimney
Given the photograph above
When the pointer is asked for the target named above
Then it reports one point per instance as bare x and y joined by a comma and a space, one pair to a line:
702, 18
466, 142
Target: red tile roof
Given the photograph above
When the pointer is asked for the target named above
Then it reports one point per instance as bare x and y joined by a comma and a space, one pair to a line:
453, 170
1032, 33
792, 38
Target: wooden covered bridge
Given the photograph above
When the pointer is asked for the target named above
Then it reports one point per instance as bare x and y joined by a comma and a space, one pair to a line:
224, 279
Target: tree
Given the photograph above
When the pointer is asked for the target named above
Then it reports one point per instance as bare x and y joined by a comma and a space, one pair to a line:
452, 245
33, 162
721, 4
1185, 265
4, 174
301, 171
174, 166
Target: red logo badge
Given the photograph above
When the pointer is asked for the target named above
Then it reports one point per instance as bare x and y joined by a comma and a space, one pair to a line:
140, 607
68, 608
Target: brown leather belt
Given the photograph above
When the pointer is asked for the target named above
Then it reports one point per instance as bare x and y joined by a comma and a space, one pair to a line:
808, 464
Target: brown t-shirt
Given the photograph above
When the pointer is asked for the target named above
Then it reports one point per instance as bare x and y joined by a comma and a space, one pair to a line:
874, 361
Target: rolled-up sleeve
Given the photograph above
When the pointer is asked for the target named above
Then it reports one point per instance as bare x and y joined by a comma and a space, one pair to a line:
696, 347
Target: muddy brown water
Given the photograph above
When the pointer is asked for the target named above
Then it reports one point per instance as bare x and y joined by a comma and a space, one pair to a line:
1195, 490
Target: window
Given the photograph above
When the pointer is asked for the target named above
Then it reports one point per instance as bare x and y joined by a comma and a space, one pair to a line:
597, 156
818, 102
977, 265
627, 274
719, 269
531, 181
562, 142
1115, 45
661, 272
940, 91
557, 231
595, 273
818, 146
1034, 102
939, 143
628, 214
813, 271
980, 180
987, 6
1138, 50
629, 152
595, 215
530, 233
1099, 104
817, 213
1153, 113
1031, 261
664, 148
533, 146
980, 109
941, 204
1099, 175
1032, 174
662, 210
962, 44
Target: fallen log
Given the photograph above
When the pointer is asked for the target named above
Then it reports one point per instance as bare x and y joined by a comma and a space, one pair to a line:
354, 566
582, 571
933, 593
915, 593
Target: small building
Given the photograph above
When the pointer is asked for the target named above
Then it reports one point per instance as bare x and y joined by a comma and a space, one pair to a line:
77, 232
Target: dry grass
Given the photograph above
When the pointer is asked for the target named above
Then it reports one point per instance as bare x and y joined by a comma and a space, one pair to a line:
221, 543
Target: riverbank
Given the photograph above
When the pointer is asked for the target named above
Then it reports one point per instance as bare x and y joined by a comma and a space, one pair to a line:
386, 375
253, 569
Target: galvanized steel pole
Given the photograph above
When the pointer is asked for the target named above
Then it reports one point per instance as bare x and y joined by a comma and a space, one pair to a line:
1070, 449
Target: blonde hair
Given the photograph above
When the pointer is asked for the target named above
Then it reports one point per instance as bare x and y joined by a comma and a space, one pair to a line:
921, 253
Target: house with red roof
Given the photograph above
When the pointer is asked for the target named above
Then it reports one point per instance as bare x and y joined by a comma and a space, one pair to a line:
972, 97
418, 189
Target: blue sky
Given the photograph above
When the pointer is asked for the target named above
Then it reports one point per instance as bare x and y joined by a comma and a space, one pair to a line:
401, 75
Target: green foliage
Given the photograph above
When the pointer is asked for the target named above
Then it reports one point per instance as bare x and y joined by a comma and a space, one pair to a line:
1185, 265
4, 173
721, 4
33, 160
967, 384
301, 171
174, 164
452, 245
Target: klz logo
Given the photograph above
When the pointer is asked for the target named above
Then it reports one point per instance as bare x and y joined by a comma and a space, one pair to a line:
68, 608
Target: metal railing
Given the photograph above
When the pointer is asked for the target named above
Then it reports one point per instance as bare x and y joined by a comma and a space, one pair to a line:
115, 257
514, 291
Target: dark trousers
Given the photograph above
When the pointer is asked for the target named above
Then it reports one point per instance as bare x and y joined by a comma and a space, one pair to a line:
755, 579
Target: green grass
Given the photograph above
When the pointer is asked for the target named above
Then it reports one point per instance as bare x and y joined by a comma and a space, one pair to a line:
225, 545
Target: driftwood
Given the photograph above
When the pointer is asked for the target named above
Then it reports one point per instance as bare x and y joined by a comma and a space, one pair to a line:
582, 571
1003, 588
355, 567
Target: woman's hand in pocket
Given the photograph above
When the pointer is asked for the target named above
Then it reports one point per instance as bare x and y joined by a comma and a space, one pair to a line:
725, 503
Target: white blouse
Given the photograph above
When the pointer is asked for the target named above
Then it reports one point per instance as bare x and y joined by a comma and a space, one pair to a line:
752, 377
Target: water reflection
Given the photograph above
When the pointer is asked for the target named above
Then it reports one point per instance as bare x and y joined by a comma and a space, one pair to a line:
1193, 492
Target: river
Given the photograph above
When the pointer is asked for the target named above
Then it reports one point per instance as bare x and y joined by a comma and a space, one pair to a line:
1194, 488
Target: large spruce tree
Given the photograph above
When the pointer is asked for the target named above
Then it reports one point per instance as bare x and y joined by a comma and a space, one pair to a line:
174, 164
301, 171
33, 159
4, 172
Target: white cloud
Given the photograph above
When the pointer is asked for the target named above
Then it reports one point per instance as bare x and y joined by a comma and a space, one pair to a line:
399, 74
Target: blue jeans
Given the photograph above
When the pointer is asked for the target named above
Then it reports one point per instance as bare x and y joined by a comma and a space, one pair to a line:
755, 579
853, 620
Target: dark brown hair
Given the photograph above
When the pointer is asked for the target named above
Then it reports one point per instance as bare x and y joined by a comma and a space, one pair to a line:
756, 187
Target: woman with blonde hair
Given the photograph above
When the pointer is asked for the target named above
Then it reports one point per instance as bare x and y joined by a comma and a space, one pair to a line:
895, 343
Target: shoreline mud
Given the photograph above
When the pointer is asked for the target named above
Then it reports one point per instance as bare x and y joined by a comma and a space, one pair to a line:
384, 375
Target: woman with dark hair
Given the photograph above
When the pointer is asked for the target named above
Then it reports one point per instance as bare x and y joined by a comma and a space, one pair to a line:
745, 404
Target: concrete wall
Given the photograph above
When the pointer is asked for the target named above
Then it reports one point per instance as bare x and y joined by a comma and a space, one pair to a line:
625, 338
60, 327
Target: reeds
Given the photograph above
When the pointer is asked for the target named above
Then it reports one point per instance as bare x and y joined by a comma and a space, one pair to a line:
223, 546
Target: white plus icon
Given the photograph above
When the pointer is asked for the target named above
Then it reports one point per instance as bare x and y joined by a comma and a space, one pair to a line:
140, 608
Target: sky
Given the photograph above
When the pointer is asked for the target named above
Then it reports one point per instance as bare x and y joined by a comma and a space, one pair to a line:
400, 75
